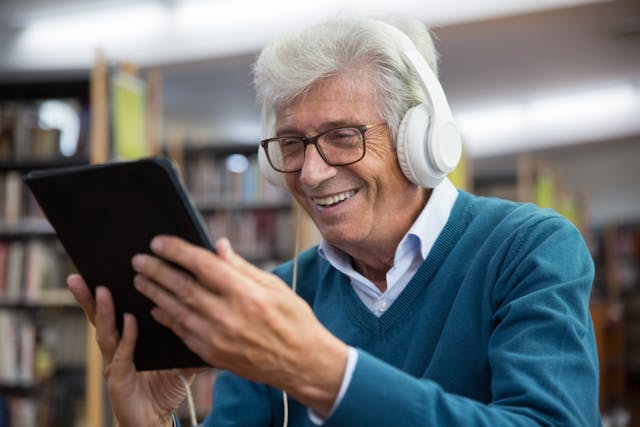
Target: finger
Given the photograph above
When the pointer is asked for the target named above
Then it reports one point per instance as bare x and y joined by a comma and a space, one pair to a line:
182, 285
226, 252
188, 327
122, 363
224, 249
185, 322
83, 296
252, 272
221, 277
171, 303
107, 334
209, 269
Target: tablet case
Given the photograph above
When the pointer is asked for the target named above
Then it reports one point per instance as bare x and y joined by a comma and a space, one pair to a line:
104, 214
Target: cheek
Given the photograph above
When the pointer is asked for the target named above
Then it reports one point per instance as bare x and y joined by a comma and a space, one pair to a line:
392, 188
291, 181
380, 148
383, 151
384, 161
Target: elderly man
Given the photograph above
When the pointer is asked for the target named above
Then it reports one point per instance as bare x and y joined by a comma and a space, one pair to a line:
422, 306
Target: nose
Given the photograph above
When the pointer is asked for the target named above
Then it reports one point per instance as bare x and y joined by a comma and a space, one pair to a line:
314, 168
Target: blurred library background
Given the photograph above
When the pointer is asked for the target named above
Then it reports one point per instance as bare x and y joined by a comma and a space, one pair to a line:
546, 93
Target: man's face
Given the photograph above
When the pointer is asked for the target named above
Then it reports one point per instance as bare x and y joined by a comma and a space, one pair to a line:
368, 202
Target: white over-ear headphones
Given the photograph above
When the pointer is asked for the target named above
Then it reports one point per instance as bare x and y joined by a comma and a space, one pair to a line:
429, 144
268, 122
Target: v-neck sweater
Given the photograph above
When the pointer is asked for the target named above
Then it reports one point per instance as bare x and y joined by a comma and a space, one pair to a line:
493, 330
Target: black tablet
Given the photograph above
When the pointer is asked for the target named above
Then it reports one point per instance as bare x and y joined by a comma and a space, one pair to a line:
104, 214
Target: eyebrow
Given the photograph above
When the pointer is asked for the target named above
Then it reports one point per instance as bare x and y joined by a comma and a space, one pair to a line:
292, 131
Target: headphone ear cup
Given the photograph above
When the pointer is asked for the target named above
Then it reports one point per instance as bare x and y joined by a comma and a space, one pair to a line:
268, 124
402, 143
273, 176
413, 149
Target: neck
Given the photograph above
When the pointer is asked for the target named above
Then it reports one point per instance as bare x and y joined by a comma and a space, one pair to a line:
376, 272
373, 259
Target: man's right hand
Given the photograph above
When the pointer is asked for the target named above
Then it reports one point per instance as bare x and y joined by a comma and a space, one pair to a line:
137, 398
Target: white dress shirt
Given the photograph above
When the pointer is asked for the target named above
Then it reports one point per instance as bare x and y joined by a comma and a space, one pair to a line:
411, 253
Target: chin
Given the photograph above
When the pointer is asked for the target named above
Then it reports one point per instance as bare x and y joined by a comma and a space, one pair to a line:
340, 236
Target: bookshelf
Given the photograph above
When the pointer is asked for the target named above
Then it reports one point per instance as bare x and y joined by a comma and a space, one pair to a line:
617, 258
42, 336
38, 312
237, 202
531, 177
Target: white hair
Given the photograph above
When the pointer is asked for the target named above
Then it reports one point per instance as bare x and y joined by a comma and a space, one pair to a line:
360, 48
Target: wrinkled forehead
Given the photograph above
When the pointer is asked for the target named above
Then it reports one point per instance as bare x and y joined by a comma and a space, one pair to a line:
351, 87
332, 101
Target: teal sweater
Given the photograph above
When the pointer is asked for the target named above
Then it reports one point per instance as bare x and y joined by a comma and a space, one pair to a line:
493, 330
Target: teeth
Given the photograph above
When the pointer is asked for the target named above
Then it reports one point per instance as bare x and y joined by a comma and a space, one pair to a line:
328, 201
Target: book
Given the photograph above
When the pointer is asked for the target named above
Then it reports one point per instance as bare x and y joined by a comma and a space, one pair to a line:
4, 258
128, 93
15, 271
12, 198
103, 215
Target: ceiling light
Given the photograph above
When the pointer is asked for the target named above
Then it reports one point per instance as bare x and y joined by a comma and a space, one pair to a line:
579, 116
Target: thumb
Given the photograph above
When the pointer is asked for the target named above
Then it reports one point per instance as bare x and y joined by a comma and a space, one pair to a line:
122, 363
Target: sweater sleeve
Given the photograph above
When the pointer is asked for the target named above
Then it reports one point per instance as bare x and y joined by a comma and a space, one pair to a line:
239, 403
541, 349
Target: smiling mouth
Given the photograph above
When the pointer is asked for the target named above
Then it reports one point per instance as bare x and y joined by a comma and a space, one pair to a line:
332, 200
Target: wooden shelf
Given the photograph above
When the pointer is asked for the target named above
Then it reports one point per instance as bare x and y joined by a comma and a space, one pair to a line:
40, 320
31, 306
223, 204
26, 165
26, 228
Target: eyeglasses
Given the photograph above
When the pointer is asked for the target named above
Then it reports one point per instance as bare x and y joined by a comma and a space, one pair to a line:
338, 147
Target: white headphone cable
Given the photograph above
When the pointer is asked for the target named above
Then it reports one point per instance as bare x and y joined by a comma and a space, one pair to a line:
294, 280
294, 283
187, 386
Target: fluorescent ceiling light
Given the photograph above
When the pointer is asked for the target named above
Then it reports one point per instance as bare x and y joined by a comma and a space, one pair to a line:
127, 22
71, 40
578, 116
582, 108
161, 31
500, 122
460, 11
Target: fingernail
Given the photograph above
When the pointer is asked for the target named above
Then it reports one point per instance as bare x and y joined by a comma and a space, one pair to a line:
223, 245
138, 261
138, 283
100, 290
156, 244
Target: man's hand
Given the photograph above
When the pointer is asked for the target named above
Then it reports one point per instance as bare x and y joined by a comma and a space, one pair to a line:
137, 398
238, 317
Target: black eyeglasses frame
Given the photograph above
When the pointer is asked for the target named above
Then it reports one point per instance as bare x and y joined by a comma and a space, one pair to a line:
313, 140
